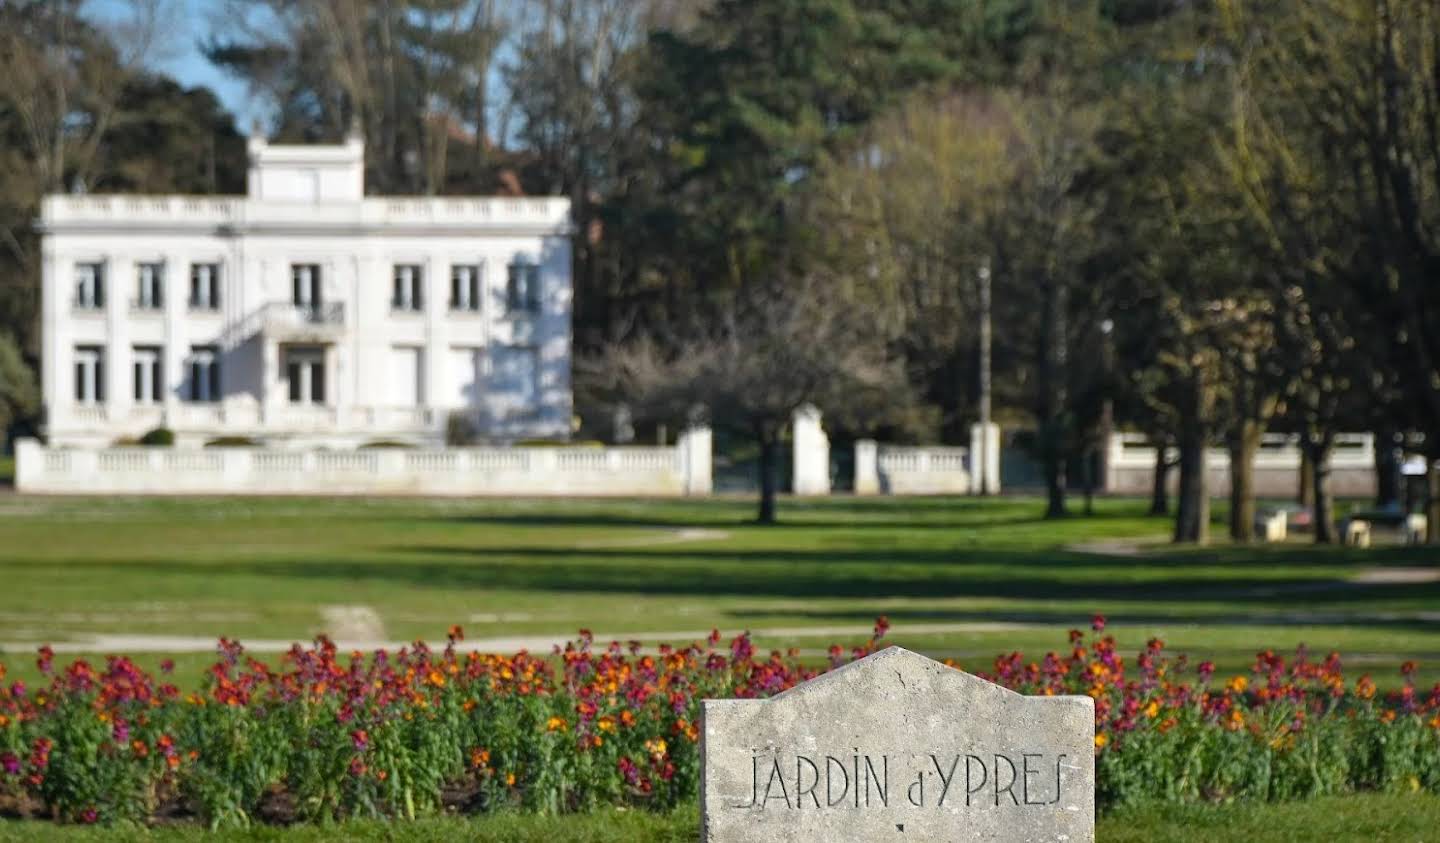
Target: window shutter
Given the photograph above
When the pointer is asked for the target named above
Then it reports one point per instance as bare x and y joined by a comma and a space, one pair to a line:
532, 288
157, 383
214, 286
159, 284
100, 379
80, 368
195, 375
417, 288
99, 287
138, 377
295, 287
512, 288
214, 373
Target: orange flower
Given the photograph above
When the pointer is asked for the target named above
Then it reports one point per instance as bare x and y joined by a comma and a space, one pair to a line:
606, 724
1153, 709
555, 724
1101, 739
627, 718
510, 779
1238, 684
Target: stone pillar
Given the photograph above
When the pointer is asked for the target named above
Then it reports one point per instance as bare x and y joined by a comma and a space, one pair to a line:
985, 459
867, 467
695, 456
810, 465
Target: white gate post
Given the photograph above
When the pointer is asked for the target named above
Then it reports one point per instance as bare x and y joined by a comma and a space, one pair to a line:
985, 459
810, 465
867, 467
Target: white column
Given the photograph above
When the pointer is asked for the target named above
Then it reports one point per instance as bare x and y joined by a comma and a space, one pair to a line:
435, 276
56, 364
867, 467
177, 347
985, 458
119, 290
269, 382
811, 453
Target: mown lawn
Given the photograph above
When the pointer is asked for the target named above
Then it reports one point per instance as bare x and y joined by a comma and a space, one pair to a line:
1402, 819
961, 578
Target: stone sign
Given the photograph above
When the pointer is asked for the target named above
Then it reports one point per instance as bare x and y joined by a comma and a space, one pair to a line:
897, 747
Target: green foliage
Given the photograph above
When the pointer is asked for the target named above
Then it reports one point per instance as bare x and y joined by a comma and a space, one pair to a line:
19, 394
162, 437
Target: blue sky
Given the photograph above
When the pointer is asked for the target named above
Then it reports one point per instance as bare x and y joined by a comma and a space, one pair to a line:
180, 56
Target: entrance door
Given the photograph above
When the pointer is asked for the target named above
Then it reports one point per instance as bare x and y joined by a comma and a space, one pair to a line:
305, 375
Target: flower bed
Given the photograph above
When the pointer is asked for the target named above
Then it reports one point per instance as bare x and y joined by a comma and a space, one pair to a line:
327, 735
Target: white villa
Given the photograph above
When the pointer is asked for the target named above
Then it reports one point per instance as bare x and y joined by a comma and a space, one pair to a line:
304, 313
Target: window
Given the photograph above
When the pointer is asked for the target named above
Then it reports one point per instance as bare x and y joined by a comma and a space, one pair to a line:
90, 285
204, 365
465, 288
305, 286
89, 374
522, 290
407, 294
305, 376
149, 376
204, 286
150, 286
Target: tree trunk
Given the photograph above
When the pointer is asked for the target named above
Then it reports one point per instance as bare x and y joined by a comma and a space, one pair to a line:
984, 387
1159, 489
1318, 446
1307, 478
1090, 458
1432, 499
1387, 470
1192, 515
1054, 399
769, 476
1244, 444
1054, 482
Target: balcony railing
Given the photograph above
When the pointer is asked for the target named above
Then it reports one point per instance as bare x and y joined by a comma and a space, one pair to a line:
285, 320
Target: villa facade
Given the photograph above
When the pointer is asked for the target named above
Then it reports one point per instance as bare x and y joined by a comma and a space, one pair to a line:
306, 313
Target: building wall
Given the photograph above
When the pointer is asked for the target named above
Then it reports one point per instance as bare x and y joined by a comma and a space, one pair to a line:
356, 243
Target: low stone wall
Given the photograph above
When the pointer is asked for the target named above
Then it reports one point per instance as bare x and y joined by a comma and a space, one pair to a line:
684, 469
1131, 466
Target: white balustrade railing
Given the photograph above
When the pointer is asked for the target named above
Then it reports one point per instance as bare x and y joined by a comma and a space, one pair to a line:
679, 470
923, 470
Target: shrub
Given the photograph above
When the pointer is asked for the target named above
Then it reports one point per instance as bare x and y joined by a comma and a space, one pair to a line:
162, 437
381, 444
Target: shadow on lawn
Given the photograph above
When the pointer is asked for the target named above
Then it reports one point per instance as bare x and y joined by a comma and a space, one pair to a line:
804, 574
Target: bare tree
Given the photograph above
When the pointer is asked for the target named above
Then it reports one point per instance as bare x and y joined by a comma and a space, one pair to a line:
753, 364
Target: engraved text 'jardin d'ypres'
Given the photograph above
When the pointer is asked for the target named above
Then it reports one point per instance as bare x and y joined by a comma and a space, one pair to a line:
809, 781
